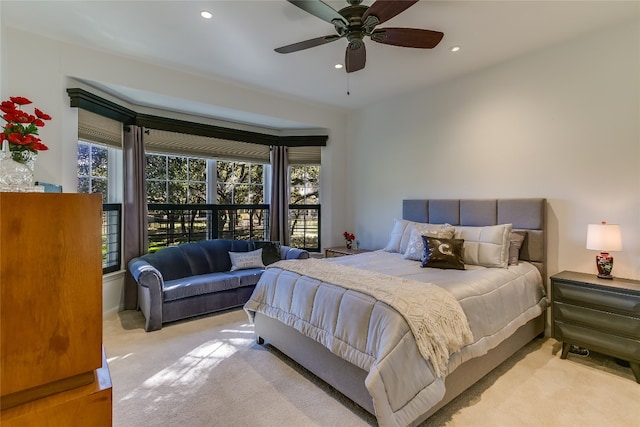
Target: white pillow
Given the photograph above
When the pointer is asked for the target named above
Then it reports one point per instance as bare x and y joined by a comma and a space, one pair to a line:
244, 260
487, 246
415, 246
396, 235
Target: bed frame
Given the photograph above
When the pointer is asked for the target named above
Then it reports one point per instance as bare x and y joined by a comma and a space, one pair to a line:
524, 214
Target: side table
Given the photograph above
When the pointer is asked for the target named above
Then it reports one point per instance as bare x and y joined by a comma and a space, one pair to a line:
342, 251
600, 314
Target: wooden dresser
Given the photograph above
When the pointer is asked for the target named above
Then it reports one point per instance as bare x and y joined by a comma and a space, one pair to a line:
52, 365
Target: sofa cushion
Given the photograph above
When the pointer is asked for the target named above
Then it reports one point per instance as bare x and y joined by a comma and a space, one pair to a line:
217, 252
248, 277
199, 285
171, 262
197, 258
270, 251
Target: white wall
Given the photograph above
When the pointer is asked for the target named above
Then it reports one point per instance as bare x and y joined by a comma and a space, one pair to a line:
562, 123
41, 70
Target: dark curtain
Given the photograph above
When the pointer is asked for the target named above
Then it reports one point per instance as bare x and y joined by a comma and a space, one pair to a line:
135, 207
279, 205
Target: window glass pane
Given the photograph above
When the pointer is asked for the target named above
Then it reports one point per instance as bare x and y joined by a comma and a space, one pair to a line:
224, 170
198, 170
99, 185
304, 185
98, 161
241, 194
177, 192
241, 173
83, 162
157, 191
177, 168
256, 174
83, 185
156, 167
198, 193
224, 194
256, 194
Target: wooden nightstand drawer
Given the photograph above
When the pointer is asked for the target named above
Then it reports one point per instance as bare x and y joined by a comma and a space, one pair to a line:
626, 348
596, 297
616, 323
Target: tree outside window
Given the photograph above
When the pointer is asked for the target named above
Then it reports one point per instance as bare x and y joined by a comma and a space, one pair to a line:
176, 179
93, 169
304, 198
99, 171
240, 183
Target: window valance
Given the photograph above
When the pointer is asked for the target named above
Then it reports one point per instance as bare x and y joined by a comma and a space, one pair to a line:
99, 129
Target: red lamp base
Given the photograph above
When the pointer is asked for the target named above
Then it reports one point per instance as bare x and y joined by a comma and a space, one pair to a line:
604, 262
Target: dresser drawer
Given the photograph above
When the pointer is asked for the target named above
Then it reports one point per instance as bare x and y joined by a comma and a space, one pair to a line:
619, 324
624, 348
596, 297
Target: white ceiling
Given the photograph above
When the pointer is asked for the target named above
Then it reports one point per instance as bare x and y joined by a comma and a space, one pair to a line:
237, 44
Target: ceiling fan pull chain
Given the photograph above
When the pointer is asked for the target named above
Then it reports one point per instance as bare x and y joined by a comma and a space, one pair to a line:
348, 93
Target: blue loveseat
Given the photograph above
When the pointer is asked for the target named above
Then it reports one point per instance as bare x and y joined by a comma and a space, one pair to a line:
190, 279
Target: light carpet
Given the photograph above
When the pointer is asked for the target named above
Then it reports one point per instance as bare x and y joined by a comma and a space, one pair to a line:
209, 371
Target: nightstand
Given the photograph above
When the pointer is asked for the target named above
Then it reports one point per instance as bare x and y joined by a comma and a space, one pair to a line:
599, 314
342, 251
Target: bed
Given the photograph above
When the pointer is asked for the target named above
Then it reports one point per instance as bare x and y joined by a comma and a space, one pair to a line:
339, 319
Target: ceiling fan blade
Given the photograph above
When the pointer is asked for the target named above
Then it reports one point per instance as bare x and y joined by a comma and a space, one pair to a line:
407, 37
308, 43
385, 9
355, 57
321, 10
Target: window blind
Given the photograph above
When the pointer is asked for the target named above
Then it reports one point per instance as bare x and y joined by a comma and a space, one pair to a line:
166, 142
304, 155
99, 129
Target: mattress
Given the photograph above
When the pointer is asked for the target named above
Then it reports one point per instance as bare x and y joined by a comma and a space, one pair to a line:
376, 337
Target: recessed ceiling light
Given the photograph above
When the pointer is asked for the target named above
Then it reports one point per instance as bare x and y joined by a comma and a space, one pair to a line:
206, 14
338, 66
454, 48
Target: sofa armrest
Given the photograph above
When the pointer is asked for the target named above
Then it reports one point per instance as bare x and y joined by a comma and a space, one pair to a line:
287, 252
150, 285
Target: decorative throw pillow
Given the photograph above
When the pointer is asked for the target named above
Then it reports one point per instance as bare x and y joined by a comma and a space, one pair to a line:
516, 240
396, 235
270, 251
443, 253
244, 260
415, 247
487, 246
406, 235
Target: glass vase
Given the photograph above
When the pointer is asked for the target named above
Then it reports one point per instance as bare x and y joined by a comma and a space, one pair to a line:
16, 169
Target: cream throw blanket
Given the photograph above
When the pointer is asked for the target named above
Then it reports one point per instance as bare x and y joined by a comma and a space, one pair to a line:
436, 319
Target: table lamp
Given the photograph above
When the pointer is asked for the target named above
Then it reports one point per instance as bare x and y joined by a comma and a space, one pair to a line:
604, 238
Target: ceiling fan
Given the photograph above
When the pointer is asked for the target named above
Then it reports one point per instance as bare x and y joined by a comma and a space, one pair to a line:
356, 21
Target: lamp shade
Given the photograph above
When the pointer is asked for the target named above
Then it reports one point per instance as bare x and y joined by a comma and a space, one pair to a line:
604, 237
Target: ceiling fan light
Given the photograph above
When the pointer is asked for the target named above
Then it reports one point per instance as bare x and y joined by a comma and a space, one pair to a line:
454, 48
338, 66
206, 14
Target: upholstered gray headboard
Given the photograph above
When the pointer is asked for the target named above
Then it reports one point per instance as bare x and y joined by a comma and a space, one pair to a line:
525, 214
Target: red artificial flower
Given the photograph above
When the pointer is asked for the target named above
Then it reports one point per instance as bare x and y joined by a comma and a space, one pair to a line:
39, 146
16, 138
10, 117
349, 236
42, 115
21, 129
10, 106
20, 100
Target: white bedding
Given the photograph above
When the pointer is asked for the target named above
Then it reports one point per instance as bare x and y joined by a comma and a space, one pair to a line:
373, 336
